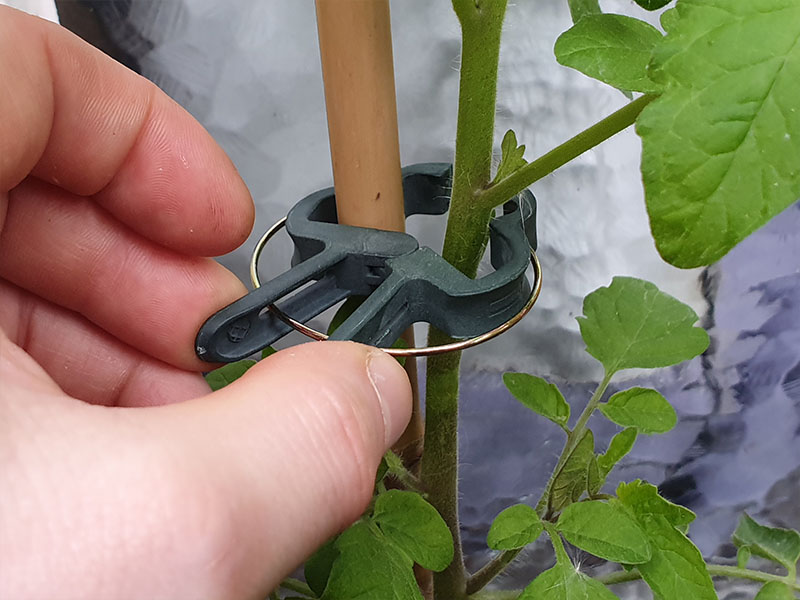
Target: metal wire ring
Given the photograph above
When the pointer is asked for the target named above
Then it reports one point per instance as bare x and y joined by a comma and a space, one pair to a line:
424, 351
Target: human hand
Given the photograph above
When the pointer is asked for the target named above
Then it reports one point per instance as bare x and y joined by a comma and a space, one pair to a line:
121, 475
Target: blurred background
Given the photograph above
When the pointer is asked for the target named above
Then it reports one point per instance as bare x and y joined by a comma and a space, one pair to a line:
249, 71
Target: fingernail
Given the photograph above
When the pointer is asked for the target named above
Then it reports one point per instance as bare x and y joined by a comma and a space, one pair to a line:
394, 393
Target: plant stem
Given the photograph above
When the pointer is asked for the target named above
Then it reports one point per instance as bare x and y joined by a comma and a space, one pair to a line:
557, 157
465, 240
490, 570
297, 586
496, 566
573, 439
713, 570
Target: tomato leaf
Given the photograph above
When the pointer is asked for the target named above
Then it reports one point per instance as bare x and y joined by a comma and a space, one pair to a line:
774, 590
619, 446
772, 543
538, 395
369, 567
721, 146
652, 4
571, 482
642, 408
416, 527
512, 156
227, 374
515, 527
676, 568
580, 8
612, 48
633, 324
564, 582
604, 530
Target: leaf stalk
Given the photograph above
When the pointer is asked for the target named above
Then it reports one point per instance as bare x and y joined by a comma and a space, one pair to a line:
587, 139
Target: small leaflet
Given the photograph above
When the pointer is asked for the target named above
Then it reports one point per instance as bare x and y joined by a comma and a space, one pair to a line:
538, 395
515, 527
642, 408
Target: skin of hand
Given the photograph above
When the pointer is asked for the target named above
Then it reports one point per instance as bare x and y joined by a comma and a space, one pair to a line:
121, 475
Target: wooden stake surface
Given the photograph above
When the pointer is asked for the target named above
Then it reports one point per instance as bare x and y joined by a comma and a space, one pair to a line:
357, 64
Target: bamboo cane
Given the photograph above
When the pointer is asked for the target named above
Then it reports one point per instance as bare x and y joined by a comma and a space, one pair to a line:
358, 71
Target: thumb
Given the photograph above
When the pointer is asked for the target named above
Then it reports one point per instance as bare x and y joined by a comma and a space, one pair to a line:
291, 451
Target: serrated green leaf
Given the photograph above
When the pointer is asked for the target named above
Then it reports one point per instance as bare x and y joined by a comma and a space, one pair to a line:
612, 48
772, 543
594, 478
668, 19
676, 568
369, 567
317, 568
633, 324
570, 483
416, 527
604, 530
580, 8
721, 146
538, 395
512, 156
652, 4
644, 496
515, 527
564, 582
227, 374
774, 590
642, 408
743, 556
619, 446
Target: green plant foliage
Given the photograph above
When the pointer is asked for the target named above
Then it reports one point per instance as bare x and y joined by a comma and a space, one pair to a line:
594, 478
612, 48
538, 395
774, 590
642, 408
512, 156
605, 530
645, 497
619, 446
369, 567
668, 19
676, 569
652, 4
632, 324
268, 351
564, 582
743, 557
318, 567
414, 526
721, 146
515, 527
227, 374
580, 8
772, 543
571, 482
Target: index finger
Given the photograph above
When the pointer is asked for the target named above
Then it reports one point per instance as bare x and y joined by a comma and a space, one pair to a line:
75, 118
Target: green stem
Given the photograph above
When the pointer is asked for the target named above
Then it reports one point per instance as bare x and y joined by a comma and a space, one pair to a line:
561, 155
496, 566
713, 570
573, 439
465, 240
297, 586
490, 570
